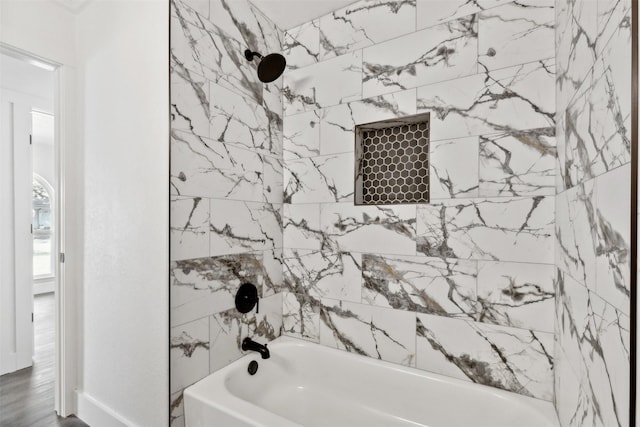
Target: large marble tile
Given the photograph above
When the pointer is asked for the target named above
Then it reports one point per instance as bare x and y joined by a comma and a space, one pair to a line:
517, 294
612, 16
301, 316
365, 23
453, 168
515, 98
198, 46
594, 337
446, 287
512, 359
202, 286
242, 21
443, 52
189, 100
520, 163
516, 33
434, 12
613, 245
500, 229
272, 191
320, 179
301, 226
301, 135
323, 274
201, 7
371, 331
237, 226
597, 121
189, 353
273, 272
335, 81
576, 233
301, 45
189, 227
337, 124
203, 167
236, 120
576, 35
377, 229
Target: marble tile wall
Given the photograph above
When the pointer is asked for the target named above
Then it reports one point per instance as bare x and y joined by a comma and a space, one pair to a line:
226, 187
593, 179
464, 285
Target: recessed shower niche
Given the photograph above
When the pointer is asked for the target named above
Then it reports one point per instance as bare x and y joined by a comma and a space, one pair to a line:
392, 161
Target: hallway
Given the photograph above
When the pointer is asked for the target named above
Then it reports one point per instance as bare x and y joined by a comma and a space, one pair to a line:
26, 396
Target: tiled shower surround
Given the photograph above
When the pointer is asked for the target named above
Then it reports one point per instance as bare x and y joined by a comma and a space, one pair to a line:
262, 187
464, 285
593, 93
226, 187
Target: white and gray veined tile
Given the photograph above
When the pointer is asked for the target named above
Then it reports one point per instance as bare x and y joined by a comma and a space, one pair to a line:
576, 233
242, 21
237, 226
598, 120
176, 410
443, 52
301, 226
301, 316
516, 360
189, 100
189, 227
594, 338
203, 167
497, 229
189, 353
516, 33
518, 163
335, 81
319, 179
514, 98
322, 274
197, 44
441, 286
236, 120
273, 268
337, 123
301, 135
613, 246
272, 191
367, 330
519, 295
377, 229
301, 45
612, 15
576, 35
434, 12
453, 168
365, 23
202, 286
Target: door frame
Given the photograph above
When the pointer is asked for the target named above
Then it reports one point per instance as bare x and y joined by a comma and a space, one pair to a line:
68, 224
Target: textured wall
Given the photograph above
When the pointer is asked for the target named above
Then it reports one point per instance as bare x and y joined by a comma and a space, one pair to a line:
226, 186
593, 96
463, 286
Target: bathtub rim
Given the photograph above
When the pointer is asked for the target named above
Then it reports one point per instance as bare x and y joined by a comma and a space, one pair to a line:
212, 390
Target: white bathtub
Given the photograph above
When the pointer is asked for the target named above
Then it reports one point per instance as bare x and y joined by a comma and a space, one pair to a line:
306, 384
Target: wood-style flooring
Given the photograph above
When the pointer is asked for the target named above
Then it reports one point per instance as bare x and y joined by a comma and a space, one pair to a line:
26, 396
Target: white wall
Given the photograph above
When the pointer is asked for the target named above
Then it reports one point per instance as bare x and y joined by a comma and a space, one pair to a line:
123, 62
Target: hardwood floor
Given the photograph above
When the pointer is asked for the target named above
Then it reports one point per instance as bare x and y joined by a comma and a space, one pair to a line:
26, 396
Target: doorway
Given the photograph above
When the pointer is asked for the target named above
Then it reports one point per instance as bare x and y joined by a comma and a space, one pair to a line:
28, 242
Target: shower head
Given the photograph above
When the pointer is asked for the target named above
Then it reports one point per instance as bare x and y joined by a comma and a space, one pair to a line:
270, 67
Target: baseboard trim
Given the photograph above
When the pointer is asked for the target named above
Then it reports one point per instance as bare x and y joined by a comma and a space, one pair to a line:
95, 413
